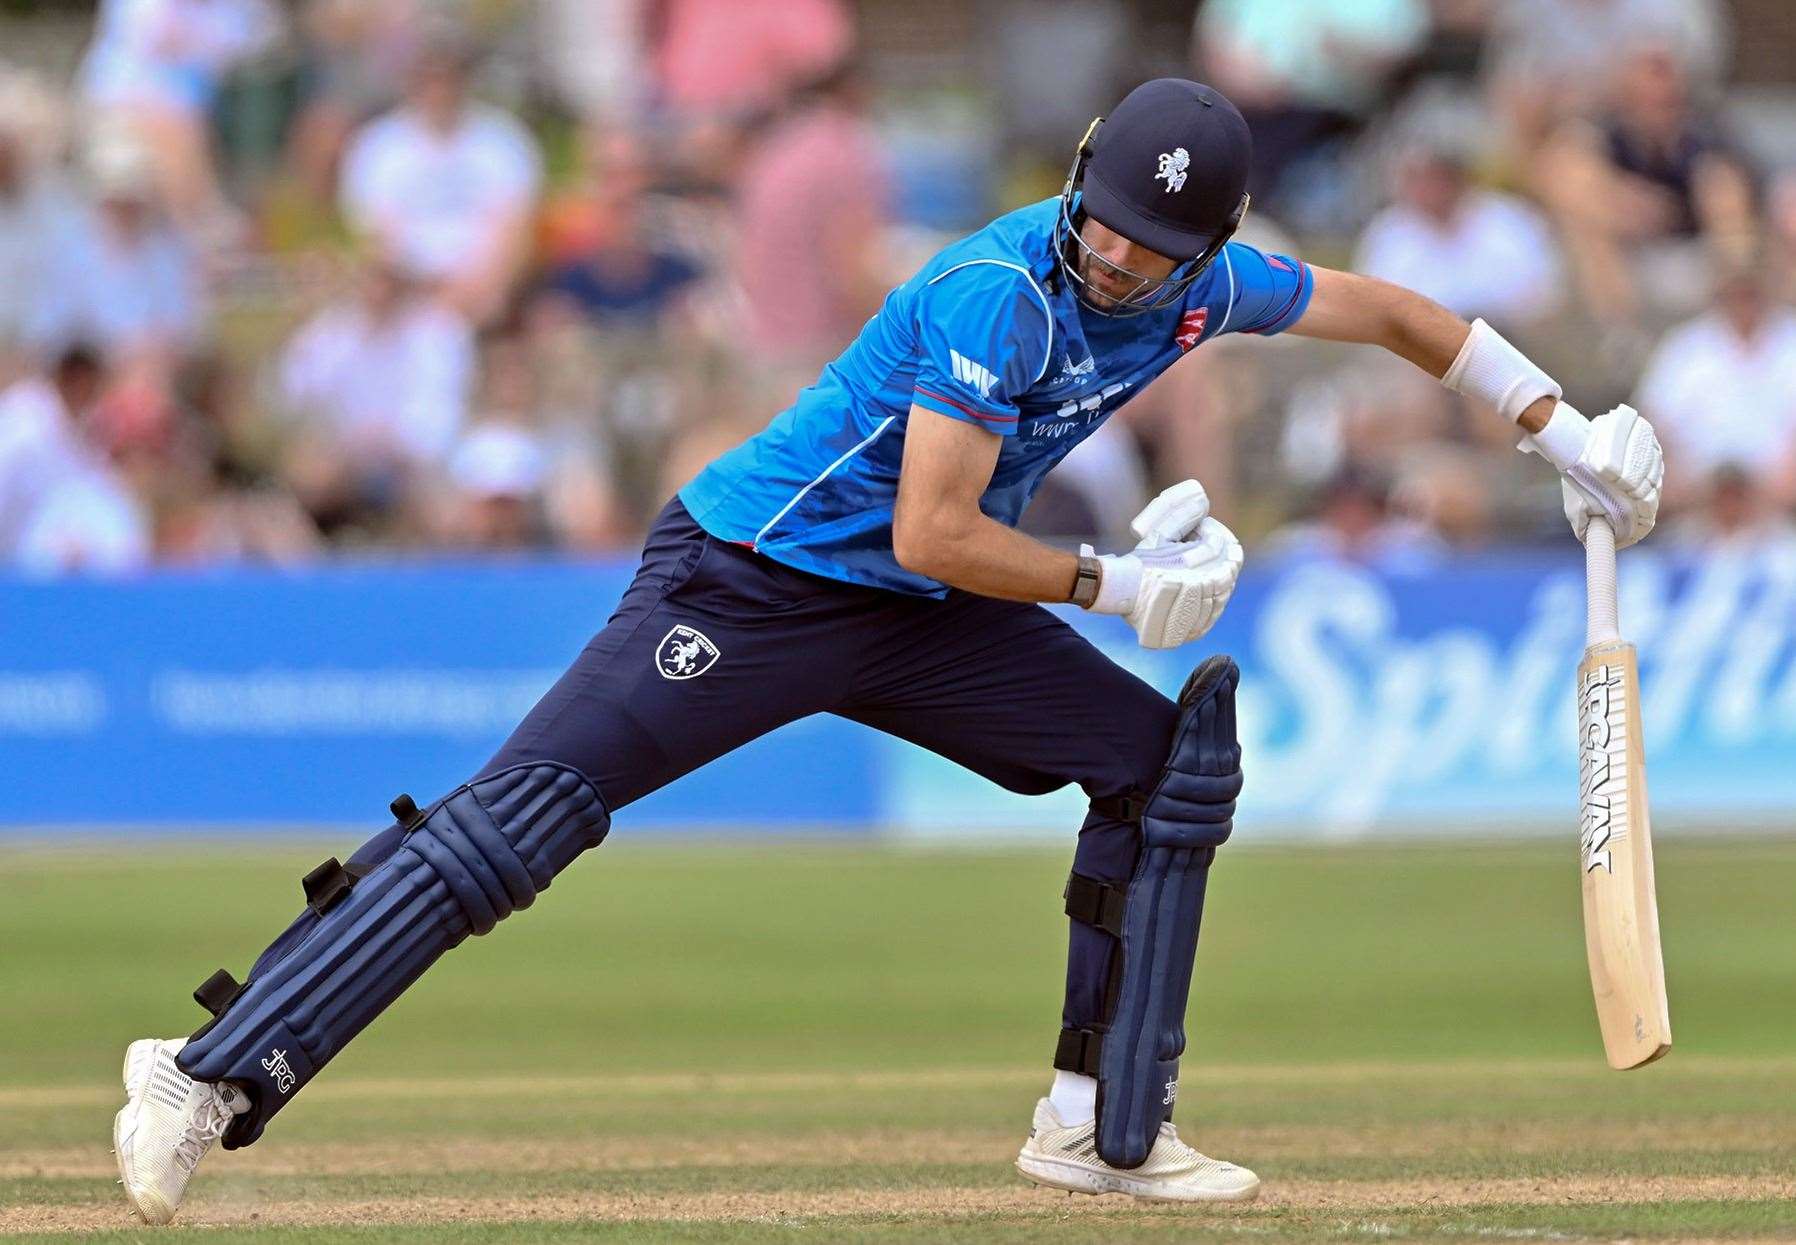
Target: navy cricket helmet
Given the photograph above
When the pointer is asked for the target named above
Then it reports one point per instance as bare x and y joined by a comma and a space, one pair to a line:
1168, 171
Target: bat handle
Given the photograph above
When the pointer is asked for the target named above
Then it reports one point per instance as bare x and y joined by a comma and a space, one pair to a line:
1603, 620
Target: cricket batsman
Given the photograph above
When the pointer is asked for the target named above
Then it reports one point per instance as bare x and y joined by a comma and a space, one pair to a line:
859, 557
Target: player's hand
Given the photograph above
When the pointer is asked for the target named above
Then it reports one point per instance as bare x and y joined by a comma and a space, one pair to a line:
1617, 476
1172, 588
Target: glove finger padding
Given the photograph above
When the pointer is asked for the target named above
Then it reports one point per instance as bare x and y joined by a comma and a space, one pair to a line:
1617, 476
1621, 446
1214, 545
1173, 515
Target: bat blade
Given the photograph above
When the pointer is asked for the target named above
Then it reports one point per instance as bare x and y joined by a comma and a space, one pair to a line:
1621, 910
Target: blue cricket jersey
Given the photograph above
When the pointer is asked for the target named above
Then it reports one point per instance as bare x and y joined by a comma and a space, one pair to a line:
982, 333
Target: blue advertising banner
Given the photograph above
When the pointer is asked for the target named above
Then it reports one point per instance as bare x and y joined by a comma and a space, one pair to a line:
1430, 703
256, 697
1442, 702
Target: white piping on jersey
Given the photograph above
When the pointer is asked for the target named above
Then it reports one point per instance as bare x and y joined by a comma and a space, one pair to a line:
1049, 311
1228, 308
797, 497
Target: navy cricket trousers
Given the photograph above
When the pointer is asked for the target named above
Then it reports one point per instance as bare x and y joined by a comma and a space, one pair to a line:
1003, 688
714, 645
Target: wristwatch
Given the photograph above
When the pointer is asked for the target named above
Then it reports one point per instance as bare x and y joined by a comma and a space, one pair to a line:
1085, 584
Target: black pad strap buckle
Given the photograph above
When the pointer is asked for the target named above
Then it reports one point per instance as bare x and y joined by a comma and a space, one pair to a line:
1129, 806
329, 882
405, 812
216, 992
1079, 1051
1096, 903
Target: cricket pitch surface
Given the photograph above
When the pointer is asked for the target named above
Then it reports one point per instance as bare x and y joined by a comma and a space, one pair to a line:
807, 1041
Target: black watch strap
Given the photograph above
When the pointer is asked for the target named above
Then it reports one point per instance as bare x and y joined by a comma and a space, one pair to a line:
1085, 584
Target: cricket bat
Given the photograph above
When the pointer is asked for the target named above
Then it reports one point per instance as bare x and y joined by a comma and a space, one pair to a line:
1621, 908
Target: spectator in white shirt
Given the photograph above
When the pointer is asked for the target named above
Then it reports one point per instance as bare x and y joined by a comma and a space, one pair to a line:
90, 523
380, 385
63, 506
157, 65
123, 276
1721, 390
446, 186
33, 206
37, 437
1474, 251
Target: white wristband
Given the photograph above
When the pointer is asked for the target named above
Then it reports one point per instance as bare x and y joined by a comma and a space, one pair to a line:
1562, 440
1490, 369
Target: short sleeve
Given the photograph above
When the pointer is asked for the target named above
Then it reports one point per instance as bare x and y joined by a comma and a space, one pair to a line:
1266, 293
984, 336
511, 157
363, 187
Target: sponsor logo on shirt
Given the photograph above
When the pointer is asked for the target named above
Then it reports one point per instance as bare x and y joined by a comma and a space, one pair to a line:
1191, 327
1061, 421
972, 374
1079, 372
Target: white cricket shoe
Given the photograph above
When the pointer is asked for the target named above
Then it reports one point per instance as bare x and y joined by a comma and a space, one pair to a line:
168, 1123
1063, 1157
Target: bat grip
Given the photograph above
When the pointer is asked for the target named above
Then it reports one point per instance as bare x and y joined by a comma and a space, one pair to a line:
1603, 621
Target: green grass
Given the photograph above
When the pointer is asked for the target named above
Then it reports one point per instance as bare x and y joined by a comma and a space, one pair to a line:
800, 1041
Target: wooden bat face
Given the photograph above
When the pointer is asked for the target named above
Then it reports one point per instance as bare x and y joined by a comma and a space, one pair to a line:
1621, 916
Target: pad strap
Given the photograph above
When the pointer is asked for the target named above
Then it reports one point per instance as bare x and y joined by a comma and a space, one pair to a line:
1125, 807
1096, 903
405, 811
329, 882
217, 991
1079, 1050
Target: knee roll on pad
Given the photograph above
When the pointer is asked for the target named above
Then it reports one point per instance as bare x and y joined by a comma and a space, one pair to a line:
482, 852
1135, 1054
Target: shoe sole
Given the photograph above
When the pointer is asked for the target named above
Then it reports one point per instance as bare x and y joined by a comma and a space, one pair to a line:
1073, 1178
149, 1208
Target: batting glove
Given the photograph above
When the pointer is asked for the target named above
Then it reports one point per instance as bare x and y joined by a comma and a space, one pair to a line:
1613, 468
1172, 588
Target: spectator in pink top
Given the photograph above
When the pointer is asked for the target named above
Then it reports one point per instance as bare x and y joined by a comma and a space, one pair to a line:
813, 209
717, 58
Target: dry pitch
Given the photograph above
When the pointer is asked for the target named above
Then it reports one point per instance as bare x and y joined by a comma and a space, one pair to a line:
813, 1042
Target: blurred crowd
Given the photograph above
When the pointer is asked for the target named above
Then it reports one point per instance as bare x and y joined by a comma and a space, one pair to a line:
280, 280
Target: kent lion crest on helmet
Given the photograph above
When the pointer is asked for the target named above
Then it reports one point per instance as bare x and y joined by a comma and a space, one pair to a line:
1172, 168
685, 653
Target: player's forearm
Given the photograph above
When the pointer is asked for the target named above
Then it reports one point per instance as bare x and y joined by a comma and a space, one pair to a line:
1352, 308
1419, 329
1348, 307
980, 555
1413, 326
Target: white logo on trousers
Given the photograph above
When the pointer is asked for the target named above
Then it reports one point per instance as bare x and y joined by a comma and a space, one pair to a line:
685, 653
